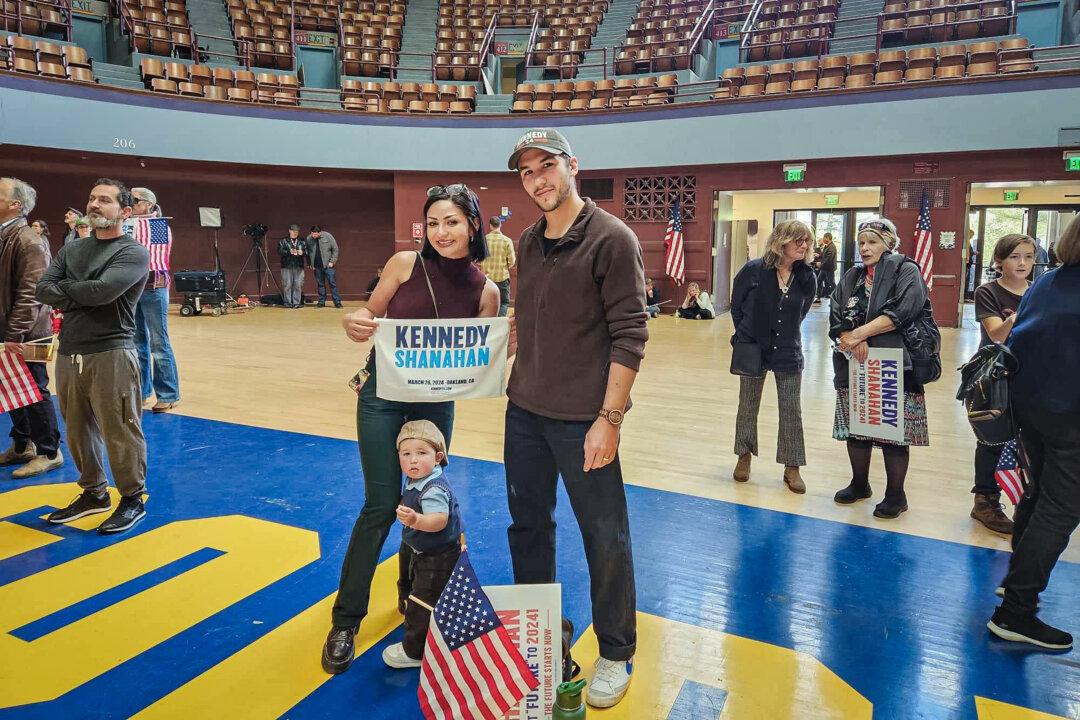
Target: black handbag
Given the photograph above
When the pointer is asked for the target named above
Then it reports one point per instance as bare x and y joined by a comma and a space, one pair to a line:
746, 359
984, 390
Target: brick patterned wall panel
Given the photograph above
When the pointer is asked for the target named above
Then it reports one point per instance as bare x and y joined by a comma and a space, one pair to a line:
648, 198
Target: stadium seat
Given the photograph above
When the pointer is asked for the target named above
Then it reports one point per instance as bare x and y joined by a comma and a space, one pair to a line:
165, 86
190, 89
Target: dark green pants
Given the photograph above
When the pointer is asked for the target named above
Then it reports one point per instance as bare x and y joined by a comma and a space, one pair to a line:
377, 425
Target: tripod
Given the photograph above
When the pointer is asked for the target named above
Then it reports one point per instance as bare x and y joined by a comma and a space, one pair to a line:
262, 265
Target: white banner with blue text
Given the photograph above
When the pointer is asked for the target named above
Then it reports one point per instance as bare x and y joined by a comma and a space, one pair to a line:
877, 395
441, 360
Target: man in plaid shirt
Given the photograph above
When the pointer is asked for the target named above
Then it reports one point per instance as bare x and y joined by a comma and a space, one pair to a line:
499, 261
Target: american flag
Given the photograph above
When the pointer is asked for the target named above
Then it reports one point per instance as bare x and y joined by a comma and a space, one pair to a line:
675, 261
154, 234
17, 386
471, 667
1008, 473
924, 246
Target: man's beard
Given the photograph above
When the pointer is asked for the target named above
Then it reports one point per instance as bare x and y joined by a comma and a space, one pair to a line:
100, 222
563, 193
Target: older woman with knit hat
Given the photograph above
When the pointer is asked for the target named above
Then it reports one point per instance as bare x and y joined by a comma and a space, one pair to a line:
881, 303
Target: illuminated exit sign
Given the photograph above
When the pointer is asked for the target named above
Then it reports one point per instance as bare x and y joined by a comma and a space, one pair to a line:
1012, 195
832, 200
1073, 163
794, 172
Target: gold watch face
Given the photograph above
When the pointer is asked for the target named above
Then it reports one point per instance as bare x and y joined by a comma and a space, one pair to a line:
615, 417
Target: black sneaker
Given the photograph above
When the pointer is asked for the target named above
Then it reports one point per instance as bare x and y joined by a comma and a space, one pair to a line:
86, 504
128, 512
337, 654
852, 493
1015, 628
337, 305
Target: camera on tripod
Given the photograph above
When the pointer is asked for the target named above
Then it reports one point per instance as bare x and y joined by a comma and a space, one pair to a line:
255, 231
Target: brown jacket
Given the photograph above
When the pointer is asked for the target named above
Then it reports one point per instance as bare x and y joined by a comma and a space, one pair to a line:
23, 258
578, 310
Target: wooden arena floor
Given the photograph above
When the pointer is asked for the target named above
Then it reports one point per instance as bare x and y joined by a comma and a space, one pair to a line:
754, 603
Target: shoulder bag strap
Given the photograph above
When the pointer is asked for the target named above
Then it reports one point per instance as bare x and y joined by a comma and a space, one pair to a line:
427, 279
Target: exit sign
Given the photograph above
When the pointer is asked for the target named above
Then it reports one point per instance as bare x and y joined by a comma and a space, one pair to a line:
1073, 163
832, 200
795, 175
1012, 195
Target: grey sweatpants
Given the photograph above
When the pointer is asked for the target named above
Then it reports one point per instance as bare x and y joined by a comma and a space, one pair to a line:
101, 404
292, 282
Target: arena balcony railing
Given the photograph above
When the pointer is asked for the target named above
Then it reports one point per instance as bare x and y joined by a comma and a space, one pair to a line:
640, 58
26, 18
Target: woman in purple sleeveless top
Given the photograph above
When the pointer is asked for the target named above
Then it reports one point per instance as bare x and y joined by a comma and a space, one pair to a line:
455, 240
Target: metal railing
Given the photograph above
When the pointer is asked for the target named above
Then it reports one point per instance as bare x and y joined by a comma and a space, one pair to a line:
679, 60
21, 19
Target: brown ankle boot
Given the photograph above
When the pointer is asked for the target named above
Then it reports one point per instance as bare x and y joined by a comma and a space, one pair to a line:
742, 468
989, 512
793, 480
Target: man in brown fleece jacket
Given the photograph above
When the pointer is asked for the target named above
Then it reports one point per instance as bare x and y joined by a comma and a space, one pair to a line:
581, 333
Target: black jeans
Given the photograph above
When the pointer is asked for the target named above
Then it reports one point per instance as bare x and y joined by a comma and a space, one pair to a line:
536, 452
986, 460
694, 313
378, 423
428, 575
826, 283
1050, 509
37, 422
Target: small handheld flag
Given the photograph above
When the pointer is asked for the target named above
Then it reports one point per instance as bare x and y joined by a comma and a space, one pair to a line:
1008, 473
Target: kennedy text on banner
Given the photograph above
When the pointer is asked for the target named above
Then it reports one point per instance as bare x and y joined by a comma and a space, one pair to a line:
441, 360
877, 395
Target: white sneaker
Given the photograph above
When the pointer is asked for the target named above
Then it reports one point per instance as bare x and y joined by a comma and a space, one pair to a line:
610, 682
394, 656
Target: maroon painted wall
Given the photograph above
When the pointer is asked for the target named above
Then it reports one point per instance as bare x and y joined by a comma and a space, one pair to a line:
960, 169
356, 207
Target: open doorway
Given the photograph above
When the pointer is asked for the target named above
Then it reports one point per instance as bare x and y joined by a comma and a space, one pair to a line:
1039, 209
744, 219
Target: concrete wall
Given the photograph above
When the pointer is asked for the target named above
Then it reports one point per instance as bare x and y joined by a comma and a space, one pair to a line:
987, 116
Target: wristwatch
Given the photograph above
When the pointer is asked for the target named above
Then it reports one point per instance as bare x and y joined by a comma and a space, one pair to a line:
615, 417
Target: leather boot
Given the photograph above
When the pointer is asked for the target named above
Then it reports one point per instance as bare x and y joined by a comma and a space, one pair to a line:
854, 492
989, 512
794, 480
337, 654
742, 468
891, 506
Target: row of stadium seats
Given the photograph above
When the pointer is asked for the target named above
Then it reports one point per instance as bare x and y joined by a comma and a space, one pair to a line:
792, 29
36, 17
658, 39
921, 21
437, 107
885, 68
66, 62
409, 91
594, 94
157, 27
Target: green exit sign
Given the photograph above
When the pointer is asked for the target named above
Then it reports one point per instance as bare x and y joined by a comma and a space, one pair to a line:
794, 176
1012, 195
832, 200
1073, 164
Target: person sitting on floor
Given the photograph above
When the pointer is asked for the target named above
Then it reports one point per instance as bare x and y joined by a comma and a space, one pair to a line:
652, 298
697, 305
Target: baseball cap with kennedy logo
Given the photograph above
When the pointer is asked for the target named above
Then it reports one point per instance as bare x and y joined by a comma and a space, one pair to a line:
551, 141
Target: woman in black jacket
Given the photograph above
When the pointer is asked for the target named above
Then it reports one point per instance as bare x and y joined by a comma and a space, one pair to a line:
882, 303
770, 297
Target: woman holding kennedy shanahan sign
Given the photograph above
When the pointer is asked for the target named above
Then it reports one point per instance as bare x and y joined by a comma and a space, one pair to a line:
439, 282
881, 303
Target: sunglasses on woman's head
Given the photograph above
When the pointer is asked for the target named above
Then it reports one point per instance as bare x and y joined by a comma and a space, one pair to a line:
875, 225
447, 189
